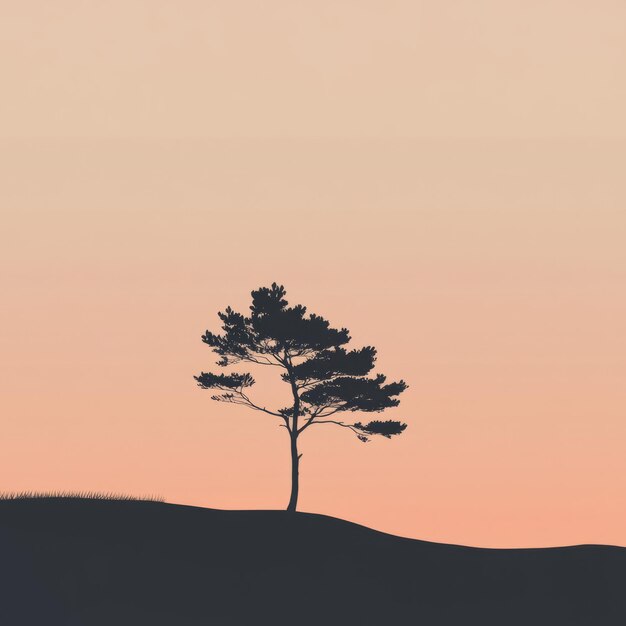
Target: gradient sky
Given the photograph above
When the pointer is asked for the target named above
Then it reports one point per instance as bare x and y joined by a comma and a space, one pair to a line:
445, 178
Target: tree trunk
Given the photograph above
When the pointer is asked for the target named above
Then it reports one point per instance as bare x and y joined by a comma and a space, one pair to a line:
295, 457
295, 463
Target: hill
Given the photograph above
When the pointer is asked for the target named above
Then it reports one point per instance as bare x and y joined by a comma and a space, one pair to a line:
73, 562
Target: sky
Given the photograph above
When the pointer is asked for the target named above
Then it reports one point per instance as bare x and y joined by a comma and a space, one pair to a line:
446, 179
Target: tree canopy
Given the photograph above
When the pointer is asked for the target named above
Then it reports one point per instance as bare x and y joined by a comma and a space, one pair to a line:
326, 378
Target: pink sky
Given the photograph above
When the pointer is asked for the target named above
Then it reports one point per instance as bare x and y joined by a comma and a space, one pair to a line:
446, 179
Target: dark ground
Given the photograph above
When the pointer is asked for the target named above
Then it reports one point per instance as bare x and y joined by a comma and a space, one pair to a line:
76, 562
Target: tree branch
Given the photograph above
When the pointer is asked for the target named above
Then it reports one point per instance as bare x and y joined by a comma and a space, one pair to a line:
243, 400
313, 417
349, 426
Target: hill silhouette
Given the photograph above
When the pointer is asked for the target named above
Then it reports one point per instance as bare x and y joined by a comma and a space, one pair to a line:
78, 562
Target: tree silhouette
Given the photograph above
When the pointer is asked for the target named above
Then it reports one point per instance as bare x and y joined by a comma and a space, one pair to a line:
325, 379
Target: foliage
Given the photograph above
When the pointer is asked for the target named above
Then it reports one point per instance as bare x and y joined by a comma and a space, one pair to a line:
325, 378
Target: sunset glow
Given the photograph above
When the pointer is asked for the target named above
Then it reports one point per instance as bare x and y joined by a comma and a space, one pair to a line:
447, 184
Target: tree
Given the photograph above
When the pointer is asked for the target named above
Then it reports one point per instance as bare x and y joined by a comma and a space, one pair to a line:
325, 379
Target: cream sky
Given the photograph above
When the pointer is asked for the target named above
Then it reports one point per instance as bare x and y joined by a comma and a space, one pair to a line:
445, 178
331, 68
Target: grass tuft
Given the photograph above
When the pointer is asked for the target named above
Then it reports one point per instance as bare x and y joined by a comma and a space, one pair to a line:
78, 495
